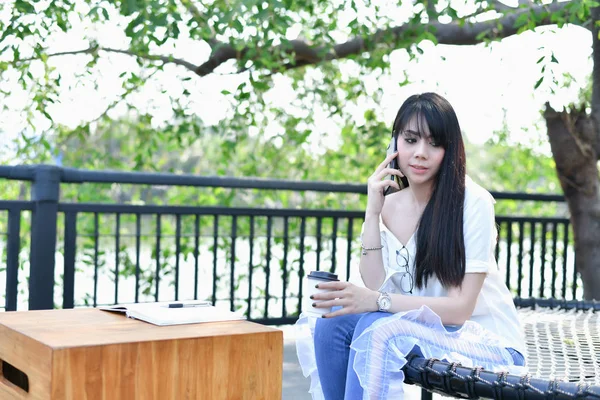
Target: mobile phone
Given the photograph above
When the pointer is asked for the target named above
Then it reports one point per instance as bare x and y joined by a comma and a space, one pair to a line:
394, 165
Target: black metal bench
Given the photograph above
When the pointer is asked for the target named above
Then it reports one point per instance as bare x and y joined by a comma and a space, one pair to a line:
563, 356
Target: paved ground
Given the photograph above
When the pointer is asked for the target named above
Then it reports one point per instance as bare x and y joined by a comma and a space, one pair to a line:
295, 385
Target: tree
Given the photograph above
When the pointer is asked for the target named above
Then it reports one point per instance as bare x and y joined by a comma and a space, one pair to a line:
322, 51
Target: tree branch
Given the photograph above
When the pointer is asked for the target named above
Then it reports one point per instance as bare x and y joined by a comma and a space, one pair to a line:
95, 49
90, 50
164, 59
453, 33
469, 33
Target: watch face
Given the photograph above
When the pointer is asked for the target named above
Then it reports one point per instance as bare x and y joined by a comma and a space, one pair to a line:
384, 302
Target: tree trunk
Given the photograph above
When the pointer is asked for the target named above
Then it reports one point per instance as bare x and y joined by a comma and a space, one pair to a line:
575, 141
573, 137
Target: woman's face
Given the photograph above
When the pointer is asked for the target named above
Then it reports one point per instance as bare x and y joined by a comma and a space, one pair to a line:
419, 157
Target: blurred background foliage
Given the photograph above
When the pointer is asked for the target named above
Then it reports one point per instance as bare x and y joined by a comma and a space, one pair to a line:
143, 65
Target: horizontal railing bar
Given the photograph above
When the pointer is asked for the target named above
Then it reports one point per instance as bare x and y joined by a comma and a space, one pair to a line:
74, 175
17, 172
227, 211
528, 196
190, 210
550, 220
193, 235
16, 205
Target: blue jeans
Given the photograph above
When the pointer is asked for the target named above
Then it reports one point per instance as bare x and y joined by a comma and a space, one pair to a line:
335, 359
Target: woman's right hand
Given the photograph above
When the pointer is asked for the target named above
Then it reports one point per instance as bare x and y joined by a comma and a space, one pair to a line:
376, 185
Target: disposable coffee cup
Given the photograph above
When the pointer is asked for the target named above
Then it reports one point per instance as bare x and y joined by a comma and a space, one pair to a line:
313, 279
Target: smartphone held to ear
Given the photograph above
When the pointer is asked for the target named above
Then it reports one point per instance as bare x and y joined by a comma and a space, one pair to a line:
393, 165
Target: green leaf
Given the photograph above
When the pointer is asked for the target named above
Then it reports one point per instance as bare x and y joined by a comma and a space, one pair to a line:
483, 34
237, 25
131, 6
522, 20
24, 7
538, 83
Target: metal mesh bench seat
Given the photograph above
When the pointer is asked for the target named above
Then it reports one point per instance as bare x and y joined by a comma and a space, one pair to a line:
563, 355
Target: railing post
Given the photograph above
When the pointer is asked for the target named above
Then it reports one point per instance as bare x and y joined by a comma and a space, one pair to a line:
44, 194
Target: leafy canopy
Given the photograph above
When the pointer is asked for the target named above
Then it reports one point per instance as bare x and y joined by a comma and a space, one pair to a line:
291, 74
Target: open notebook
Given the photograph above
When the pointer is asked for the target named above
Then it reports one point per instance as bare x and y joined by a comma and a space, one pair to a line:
174, 312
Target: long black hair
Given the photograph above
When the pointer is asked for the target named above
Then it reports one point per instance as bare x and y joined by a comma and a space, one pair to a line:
440, 242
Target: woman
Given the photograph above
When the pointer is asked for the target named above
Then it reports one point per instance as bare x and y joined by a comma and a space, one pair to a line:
432, 285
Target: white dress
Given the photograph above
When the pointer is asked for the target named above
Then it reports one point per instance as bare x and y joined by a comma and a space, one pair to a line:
481, 341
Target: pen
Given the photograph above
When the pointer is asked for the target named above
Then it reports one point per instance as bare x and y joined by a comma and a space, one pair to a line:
186, 305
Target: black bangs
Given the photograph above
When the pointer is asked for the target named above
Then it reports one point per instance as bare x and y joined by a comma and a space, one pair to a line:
429, 119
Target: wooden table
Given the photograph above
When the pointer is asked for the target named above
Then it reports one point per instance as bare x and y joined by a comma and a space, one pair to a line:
85, 354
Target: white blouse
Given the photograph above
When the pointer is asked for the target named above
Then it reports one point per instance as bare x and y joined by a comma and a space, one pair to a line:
495, 309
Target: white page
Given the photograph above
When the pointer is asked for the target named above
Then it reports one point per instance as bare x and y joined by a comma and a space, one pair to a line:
159, 313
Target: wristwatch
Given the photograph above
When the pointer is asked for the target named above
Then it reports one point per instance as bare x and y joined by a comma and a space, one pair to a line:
384, 302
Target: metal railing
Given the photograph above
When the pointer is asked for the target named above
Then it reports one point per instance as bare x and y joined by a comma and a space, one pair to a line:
248, 259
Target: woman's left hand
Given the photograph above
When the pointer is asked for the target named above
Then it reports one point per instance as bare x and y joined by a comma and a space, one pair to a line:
352, 298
